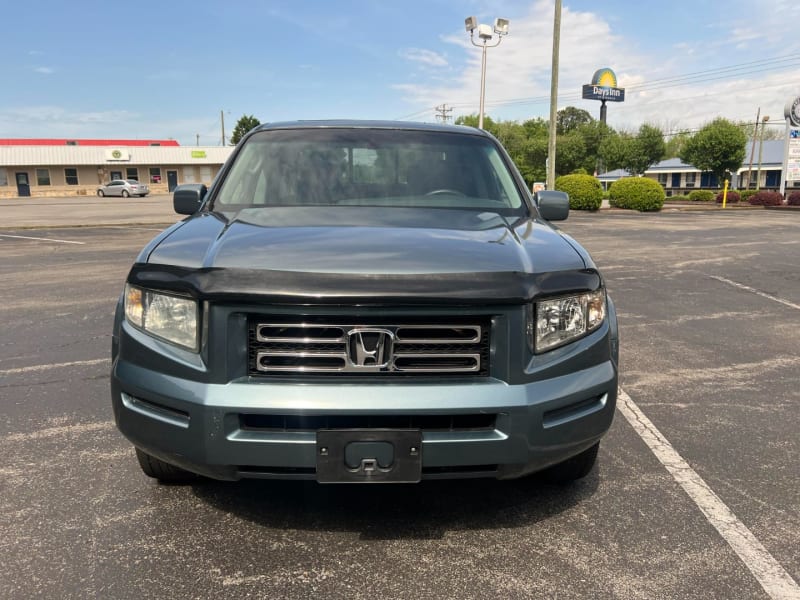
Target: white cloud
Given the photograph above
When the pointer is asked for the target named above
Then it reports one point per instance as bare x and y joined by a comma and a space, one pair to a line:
519, 69
426, 57
520, 66
44, 70
49, 121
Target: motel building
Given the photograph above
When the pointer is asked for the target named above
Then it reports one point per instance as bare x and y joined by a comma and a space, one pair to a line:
678, 179
76, 167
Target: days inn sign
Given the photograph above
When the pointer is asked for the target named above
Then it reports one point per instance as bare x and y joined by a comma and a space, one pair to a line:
604, 87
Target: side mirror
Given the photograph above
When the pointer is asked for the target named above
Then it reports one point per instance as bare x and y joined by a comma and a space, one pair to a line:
187, 198
553, 206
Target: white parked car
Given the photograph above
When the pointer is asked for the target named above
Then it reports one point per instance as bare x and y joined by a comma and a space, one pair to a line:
124, 188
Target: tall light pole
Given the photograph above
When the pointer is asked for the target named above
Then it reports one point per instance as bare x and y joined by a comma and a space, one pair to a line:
760, 149
485, 33
551, 141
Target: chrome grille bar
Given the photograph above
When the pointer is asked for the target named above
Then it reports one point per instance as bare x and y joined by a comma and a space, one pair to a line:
281, 346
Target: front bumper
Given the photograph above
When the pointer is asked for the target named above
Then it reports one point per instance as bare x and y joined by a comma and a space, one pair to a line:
199, 426
202, 412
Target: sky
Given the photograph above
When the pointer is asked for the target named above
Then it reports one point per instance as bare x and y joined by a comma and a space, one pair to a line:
177, 69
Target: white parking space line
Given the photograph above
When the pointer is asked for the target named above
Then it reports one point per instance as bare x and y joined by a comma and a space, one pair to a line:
136, 228
47, 367
26, 237
777, 583
747, 288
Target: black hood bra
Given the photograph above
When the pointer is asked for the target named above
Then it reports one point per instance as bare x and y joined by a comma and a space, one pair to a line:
286, 287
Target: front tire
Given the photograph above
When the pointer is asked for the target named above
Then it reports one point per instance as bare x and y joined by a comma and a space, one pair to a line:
100, 193
163, 471
574, 468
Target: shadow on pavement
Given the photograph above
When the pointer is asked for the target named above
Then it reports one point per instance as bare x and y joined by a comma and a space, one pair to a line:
386, 512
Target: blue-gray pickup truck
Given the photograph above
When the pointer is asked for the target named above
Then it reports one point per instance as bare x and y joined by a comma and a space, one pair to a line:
359, 302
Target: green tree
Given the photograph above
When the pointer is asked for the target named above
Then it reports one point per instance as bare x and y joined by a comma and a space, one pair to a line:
615, 150
570, 118
472, 121
769, 133
534, 163
243, 125
648, 149
536, 127
675, 144
593, 134
634, 153
570, 153
719, 147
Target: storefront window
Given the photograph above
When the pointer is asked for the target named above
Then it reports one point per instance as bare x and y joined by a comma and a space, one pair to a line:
42, 176
155, 174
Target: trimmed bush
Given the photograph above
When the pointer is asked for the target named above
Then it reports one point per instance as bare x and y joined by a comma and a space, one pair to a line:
585, 191
745, 195
733, 197
794, 199
637, 193
701, 196
766, 199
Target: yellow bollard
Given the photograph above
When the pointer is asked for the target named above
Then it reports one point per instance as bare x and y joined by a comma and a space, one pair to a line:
725, 194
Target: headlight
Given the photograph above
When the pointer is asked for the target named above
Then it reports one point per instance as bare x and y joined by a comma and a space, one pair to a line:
562, 320
171, 318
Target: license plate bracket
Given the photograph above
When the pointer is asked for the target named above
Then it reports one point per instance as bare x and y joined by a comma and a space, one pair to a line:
369, 455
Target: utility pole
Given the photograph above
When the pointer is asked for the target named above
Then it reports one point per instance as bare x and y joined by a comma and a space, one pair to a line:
197, 135
752, 151
443, 113
222, 122
764, 120
551, 143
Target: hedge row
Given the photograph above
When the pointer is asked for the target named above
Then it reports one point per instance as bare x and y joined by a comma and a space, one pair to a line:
766, 199
794, 199
637, 193
747, 194
733, 197
701, 196
585, 191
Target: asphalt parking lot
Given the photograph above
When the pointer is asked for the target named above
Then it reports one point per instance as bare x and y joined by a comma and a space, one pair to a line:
696, 494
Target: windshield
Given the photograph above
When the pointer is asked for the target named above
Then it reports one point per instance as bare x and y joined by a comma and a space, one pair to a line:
369, 167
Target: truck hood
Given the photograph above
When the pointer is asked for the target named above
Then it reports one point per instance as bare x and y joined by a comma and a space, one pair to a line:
355, 240
364, 256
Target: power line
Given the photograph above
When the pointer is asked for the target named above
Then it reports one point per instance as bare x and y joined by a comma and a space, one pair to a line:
745, 68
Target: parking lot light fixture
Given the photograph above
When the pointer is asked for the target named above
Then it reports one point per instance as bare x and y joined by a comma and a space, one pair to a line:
486, 33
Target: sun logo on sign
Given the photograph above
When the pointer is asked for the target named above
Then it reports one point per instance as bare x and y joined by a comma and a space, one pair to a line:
604, 78
116, 154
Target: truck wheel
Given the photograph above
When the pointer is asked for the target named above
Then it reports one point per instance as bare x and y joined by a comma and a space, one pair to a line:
163, 471
574, 468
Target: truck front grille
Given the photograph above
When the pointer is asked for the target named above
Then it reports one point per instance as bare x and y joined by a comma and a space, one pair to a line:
281, 347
